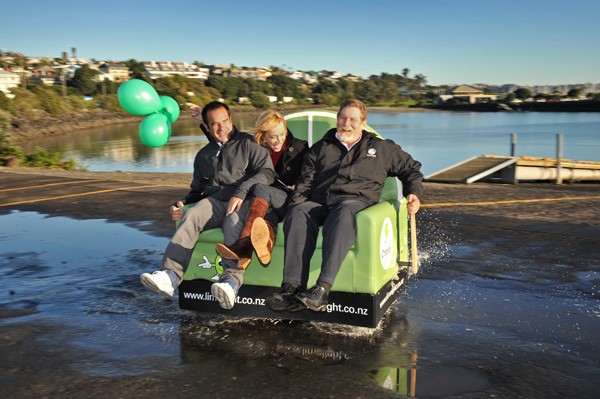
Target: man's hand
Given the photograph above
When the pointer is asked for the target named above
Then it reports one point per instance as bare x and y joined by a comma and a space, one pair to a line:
177, 211
413, 204
235, 204
195, 110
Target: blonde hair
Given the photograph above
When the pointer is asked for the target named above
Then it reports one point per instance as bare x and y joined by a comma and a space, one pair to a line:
357, 104
267, 121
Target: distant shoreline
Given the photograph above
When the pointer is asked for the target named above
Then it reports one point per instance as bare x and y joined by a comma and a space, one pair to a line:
25, 129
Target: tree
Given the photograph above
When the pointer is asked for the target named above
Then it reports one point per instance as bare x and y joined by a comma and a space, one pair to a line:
522, 93
137, 70
259, 100
420, 80
576, 92
84, 80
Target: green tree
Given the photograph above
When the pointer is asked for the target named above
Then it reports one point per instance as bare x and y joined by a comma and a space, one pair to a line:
137, 70
326, 92
522, 93
576, 92
260, 100
84, 80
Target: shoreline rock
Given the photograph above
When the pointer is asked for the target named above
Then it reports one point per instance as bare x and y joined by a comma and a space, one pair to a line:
43, 124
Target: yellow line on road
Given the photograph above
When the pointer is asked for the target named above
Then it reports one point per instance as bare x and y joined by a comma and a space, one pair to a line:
522, 201
89, 193
51, 184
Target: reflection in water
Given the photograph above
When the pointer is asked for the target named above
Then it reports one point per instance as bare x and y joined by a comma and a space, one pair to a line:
113, 148
382, 355
399, 379
436, 139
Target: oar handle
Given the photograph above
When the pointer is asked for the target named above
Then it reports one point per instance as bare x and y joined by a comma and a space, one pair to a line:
413, 244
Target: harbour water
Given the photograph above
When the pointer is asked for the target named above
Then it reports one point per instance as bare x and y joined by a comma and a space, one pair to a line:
437, 139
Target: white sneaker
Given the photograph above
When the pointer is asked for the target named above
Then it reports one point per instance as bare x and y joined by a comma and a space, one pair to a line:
158, 281
225, 292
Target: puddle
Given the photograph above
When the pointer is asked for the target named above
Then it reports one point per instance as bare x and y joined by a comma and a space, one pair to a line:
476, 322
83, 274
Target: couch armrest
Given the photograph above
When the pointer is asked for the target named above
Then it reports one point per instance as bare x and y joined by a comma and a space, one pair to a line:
376, 247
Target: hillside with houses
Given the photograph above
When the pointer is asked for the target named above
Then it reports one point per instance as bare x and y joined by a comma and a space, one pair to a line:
265, 86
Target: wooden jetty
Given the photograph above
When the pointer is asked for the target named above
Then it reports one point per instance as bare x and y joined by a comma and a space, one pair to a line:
506, 169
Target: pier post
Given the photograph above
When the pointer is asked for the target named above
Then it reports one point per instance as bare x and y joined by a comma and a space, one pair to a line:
559, 150
513, 144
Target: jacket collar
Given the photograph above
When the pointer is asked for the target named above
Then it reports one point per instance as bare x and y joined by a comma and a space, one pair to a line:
329, 137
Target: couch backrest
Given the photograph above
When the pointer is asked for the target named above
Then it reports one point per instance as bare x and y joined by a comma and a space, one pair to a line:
312, 126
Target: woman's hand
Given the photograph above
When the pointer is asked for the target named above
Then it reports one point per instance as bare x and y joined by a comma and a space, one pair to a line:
235, 204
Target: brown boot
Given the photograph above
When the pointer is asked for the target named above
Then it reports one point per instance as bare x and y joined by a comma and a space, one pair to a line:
263, 239
242, 248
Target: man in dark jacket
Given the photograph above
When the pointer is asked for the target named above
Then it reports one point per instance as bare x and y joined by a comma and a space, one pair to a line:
224, 171
342, 174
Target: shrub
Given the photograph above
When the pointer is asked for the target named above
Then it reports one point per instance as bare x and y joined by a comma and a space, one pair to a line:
109, 102
49, 101
7, 150
25, 101
6, 103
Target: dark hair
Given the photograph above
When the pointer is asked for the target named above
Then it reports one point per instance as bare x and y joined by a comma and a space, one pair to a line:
211, 106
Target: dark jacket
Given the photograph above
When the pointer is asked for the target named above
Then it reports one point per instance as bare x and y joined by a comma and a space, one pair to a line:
332, 174
289, 165
231, 169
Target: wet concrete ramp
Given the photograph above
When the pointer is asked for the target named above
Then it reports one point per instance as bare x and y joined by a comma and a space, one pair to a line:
471, 170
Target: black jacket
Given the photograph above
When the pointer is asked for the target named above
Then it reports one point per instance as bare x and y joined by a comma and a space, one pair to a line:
231, 169
332, 174
289, 165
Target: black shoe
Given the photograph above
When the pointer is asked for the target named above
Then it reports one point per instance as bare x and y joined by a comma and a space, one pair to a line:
285, 299
314, 299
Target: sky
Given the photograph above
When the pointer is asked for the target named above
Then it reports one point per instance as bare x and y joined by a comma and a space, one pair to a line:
523, 42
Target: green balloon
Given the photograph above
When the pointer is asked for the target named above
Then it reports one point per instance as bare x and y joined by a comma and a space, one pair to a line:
139, 97
155, 130
170, 129
170, 108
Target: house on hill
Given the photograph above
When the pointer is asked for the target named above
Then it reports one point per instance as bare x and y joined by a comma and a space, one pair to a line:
468, 93
114, 71
8, 80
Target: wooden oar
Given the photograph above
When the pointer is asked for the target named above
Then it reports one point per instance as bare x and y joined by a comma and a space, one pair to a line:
413, 244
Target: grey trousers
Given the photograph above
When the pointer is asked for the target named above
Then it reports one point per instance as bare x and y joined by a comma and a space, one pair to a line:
301, 228
205, 214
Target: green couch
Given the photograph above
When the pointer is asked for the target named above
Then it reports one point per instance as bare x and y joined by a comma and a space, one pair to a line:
371, 262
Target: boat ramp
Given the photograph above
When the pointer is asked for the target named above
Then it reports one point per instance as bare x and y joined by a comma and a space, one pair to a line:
514, 169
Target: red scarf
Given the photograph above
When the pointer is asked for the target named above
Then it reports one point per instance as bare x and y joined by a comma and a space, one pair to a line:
276, 155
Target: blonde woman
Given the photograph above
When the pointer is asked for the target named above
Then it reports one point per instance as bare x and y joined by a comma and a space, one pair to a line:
269, 203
